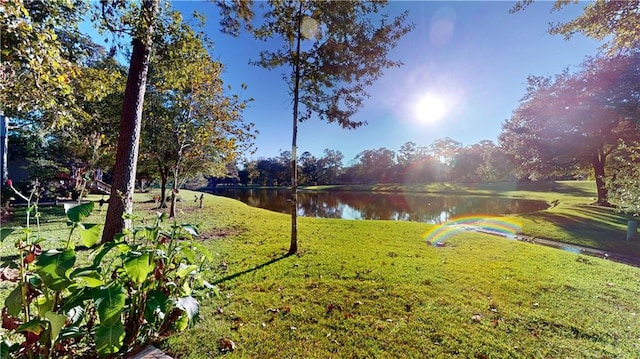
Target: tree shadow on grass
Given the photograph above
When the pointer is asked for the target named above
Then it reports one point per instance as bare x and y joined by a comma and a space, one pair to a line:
592, 226
247, 271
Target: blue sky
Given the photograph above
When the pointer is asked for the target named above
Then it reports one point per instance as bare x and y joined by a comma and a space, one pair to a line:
467, 59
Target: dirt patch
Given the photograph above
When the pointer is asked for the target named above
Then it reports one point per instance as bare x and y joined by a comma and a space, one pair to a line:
219, 233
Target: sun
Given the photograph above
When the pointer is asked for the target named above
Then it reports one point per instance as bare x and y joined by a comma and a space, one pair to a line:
430, 108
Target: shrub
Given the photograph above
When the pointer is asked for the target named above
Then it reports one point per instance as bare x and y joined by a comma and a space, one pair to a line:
147, 281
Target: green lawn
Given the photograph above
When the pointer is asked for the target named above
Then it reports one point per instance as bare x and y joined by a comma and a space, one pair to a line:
376, 289
571, 217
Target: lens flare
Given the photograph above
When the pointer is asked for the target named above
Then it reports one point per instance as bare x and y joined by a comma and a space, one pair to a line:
503, 226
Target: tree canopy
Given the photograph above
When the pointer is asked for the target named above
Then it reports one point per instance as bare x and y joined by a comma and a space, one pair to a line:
612, 21
575, 120
192, 125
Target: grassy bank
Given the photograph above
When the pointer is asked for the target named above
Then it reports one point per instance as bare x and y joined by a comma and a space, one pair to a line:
571, 217
374, 289
570, 191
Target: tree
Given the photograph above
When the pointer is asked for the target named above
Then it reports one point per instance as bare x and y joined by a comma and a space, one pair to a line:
445, 151
481, 162
330, 166
576, 120
415, 164
142, 21
309, 169
192, 126
98, 91
345, 50
41, 49
496, 165
611, 20
249, 172
376, 165
623, 187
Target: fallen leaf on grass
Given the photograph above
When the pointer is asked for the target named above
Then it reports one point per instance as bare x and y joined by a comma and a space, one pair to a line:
331, 307
226, 345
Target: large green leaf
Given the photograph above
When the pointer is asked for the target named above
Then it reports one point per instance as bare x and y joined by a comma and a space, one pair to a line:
185, 270
110, 303
89, 275
4, 350
138, 267
156, 302
102, 251
188, 254
182, 322
5, 231
202, 250
92, 280
79, 212
35, 326
53, 266
78, 297
56, 322
13, 302
109, 338
44, 303
151, 233
89, 233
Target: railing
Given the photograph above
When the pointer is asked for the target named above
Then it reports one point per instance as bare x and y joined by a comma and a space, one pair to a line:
97, 186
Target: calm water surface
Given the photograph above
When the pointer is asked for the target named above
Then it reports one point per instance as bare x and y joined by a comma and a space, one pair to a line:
376, 205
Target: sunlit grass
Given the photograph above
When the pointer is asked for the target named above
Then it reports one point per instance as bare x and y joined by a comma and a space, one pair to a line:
571, 217
375, 289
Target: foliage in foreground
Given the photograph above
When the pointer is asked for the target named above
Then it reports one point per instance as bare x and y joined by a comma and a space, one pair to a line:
147, 281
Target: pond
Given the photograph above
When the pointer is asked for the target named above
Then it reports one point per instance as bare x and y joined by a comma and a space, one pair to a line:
415, 207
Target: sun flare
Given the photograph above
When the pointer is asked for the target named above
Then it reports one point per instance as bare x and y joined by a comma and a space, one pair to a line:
430, 108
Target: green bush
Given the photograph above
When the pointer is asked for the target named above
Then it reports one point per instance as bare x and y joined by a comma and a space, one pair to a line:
147, 281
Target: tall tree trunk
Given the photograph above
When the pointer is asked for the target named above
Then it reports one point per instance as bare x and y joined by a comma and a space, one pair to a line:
164, 179
598, 162
293, 247
124, 170
4, 142
174, 195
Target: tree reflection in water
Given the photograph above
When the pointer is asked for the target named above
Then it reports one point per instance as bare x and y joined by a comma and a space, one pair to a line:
384, 206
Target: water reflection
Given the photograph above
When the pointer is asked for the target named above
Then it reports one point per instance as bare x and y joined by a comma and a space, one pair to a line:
375, 205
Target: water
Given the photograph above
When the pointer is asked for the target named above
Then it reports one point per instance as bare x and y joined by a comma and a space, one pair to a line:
388, 206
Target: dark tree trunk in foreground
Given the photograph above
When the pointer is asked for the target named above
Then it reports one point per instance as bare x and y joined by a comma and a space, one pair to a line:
4, 141
124, 170
598, 162
164, 179
174, 195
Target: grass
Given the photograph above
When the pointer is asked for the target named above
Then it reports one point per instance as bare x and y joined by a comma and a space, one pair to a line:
571, 217
375, 289
572, 191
